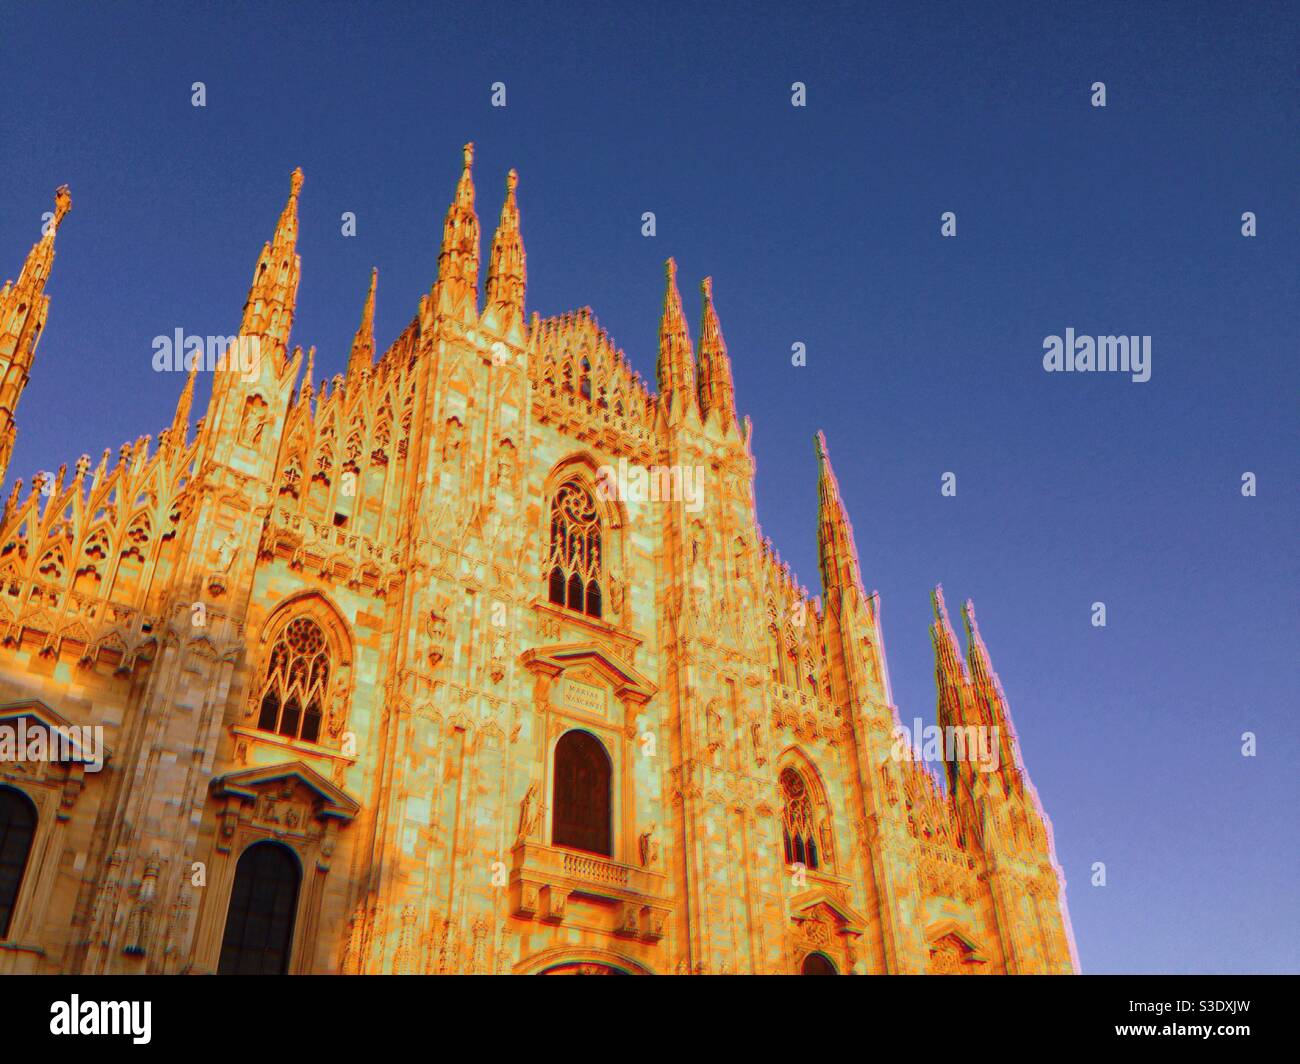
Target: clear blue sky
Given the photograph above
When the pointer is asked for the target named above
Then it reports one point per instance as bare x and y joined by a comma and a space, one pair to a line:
819, 225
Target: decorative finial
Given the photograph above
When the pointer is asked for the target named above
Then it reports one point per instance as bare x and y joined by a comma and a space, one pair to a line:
940, 608
469, 155
62, 204
670, 267
295, 181
512, 180
706, 286
820, 441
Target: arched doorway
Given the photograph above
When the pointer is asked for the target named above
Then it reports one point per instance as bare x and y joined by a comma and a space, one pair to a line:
818, 964
17, 828
583, 968
583, 774
260, 919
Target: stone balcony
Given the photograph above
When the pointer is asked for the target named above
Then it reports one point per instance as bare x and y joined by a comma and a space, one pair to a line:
543, 877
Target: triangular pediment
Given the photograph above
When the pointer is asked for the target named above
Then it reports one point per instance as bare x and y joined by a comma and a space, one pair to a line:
334, 801
942, 929
591, 657
33, 709
805, 906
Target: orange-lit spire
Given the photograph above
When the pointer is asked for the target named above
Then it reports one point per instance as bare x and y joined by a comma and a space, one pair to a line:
305, 389
507, 270
991, 700
676, 367
717, 392
982, 674
837, 549
949, 668
363, 344
458, 259
268, 313
23, 310
181, 421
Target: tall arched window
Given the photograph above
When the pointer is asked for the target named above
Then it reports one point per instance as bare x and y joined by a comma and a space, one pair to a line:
583, 774
17, 826
799, 833
574, 566
263, 902
296, 682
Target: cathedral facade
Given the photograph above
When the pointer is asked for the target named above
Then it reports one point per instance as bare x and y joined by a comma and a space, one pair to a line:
474, 660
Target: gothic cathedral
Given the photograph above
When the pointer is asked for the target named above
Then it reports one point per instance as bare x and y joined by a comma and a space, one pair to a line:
434, 668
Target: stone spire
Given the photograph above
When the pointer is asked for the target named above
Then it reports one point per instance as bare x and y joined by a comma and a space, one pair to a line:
837, 549
23, 310
991, 701
977, 654
676, 367
363, 344
457, 284
949, 668
268, 313
181, 421
507, 270
305, 389
717, 391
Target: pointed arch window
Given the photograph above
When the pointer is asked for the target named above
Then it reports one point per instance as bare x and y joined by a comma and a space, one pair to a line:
583, 794
798, 830
296, 684
263, 902
575, 561
17, 828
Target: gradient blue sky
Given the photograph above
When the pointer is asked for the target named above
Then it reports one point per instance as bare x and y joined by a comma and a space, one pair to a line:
819, 225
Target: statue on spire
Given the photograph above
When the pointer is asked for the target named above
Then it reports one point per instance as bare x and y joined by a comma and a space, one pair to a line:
23, 310
717, 390
507, 272
457, 284
676, 367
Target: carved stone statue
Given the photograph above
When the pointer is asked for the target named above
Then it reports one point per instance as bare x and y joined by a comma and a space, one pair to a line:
226, 550
338, 705
648, 847
451, 444
530, 814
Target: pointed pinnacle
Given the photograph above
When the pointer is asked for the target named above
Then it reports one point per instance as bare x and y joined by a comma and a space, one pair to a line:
465, 187
62, 205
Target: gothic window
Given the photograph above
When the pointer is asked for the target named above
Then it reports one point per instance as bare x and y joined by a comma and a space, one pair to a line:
51, 566
17, 826
584, 378
292, 477
296, 682
798, 831
574, 565
259, 921
583, 776
818, 964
